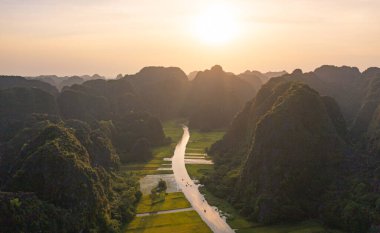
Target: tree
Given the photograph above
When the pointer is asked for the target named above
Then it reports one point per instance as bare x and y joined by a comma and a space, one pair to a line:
162, 186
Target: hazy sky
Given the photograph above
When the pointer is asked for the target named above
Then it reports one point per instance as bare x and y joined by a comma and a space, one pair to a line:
114, 36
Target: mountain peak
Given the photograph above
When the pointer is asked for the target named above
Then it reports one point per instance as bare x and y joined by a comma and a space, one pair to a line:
297, 72
217, 68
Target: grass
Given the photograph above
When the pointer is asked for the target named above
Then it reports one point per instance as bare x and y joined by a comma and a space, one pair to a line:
303, 227
142, 173
172, 201
234, 219
197, 171
181, 222
199, 141
172, 129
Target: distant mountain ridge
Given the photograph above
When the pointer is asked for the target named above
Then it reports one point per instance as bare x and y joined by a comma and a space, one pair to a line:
18, 81
61, 82
347, 85
166, 93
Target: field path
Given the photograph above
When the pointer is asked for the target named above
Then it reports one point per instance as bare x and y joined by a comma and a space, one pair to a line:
164, 212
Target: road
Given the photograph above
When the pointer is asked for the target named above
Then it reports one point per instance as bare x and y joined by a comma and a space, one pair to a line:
208, 213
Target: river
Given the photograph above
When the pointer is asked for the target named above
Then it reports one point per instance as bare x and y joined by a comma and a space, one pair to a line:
208, 213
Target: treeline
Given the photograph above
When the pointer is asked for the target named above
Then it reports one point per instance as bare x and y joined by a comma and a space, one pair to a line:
292, 154
59, 166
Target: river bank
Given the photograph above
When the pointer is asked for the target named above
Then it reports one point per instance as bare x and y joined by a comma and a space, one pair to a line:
175, 213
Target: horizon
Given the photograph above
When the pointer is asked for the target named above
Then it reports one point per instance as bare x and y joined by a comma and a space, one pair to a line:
206, 116
187, 73
111, 37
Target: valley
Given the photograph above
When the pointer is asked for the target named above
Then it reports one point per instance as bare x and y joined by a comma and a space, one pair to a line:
176, 205
195, 116
275, 154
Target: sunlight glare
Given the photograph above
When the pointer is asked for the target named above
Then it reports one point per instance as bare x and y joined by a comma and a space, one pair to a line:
217, 24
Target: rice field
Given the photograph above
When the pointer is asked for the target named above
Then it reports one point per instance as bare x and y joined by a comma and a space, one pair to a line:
181, 222
172, 201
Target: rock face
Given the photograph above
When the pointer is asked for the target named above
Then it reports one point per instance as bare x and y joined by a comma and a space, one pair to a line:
255, 78
55, 167
215, 97
162, 90
60, 172
344, 84
288, 155
366, 115
158, 90
192, 75
358, 97
97, 142
356, 93
44, 163
287, 170
277, 138
374, 133
59, 166
233, 148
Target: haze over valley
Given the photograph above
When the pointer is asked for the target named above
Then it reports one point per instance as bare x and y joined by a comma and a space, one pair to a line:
170, 116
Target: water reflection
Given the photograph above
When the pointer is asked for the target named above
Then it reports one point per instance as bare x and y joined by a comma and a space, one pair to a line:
209, 214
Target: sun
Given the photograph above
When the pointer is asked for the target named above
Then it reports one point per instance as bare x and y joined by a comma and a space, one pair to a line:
217, 24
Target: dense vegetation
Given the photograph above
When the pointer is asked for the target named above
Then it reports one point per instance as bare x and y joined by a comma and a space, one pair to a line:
289, 156
282, 180
59, 169
305, 147
56, 178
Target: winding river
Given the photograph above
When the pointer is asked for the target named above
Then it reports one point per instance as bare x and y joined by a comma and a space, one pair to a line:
209, 214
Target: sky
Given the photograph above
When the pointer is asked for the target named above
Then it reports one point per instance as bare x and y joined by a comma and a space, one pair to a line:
109, 37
